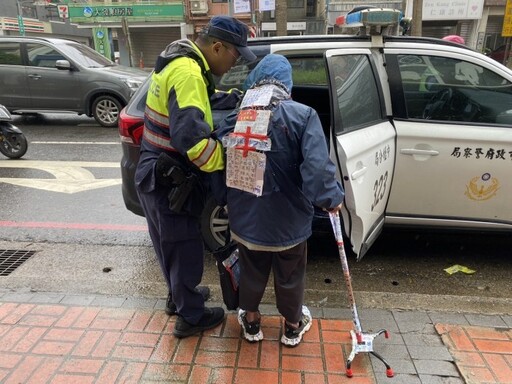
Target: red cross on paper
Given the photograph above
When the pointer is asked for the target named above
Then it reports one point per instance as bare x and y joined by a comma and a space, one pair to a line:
247, 136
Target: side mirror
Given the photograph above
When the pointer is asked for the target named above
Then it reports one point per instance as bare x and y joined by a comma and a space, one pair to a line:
63, 64
4, 114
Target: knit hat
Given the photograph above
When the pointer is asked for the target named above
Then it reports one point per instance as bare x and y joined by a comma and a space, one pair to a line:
455, 39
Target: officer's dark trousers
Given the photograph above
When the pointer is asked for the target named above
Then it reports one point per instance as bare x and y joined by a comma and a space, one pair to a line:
179, 249
289, 269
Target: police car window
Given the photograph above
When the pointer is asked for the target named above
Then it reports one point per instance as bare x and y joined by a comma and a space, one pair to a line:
42, 55
357, 93
305, 71
308, 70
235, 77
10, 53
448, 89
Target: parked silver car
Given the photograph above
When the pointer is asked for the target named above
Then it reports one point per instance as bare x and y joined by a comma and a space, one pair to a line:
48, 75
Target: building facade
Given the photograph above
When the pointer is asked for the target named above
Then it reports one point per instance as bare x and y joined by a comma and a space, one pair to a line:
138, 30
38, 18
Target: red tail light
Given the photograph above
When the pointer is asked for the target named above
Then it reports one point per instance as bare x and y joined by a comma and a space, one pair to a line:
130, 128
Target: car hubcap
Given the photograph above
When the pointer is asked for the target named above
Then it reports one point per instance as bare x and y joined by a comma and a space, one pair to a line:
107, 111
219, 225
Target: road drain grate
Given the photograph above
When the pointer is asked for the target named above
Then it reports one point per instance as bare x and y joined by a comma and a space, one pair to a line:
10, 259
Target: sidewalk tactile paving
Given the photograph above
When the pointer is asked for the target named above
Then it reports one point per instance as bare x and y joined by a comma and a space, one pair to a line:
482, 354
55, 343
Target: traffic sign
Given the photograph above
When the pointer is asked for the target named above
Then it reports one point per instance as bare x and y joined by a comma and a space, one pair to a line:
21, 25
507, 20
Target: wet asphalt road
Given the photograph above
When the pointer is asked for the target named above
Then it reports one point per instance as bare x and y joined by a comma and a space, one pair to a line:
78, 234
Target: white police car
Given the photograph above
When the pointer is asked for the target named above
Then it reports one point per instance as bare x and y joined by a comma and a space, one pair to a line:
420, 128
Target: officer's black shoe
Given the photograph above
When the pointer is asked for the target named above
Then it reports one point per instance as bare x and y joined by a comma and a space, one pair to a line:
170, 307
210, 319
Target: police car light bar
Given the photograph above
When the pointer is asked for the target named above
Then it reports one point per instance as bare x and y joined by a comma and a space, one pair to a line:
373, 17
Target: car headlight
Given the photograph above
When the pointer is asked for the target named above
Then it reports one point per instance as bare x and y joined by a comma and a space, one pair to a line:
133, 83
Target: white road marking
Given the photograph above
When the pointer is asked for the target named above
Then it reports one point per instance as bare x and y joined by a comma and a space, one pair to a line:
70, 176
77, 142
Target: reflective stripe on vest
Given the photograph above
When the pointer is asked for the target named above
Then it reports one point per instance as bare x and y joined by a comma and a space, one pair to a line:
159, 141
157, 118
206, 153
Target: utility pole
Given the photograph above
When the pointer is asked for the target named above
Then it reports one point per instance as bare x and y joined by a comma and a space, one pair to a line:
417, 17
21, 26
281, 18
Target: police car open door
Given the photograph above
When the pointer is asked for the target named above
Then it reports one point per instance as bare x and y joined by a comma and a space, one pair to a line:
362, 142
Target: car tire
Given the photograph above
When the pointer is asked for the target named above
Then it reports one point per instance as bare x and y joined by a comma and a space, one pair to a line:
214, 224
106, 109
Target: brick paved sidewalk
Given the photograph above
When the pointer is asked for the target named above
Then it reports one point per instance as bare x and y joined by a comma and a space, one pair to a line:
483, 355
56, 338
54, 343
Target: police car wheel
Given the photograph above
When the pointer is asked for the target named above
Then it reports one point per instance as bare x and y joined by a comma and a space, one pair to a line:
214, 224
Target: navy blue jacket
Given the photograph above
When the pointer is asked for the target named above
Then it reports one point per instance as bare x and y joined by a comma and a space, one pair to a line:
298, 170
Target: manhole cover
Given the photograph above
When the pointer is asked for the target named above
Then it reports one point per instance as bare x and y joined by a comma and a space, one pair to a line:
10, 259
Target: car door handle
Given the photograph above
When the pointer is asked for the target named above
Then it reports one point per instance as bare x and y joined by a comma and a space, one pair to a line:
35, 76
357, 174
414, 151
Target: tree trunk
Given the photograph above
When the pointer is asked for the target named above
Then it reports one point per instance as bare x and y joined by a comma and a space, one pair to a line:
417, 17
281, 17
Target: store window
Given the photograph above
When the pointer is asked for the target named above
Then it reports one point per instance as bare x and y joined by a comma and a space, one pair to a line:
310, 8
296, 4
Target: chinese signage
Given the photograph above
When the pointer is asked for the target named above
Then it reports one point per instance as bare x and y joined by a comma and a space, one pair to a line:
267, 5
452, 9
507, 20
114, 13
102, 41
241, 6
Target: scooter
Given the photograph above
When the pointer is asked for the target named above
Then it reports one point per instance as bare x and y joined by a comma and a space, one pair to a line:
13, 143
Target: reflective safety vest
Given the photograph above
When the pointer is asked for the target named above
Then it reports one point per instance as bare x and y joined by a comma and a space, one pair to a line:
178, 115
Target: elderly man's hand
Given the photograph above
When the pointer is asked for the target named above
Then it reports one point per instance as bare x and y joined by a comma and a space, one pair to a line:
335, 209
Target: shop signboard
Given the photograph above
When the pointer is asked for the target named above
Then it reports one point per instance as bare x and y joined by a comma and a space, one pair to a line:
78, 13
102, 39
452, 9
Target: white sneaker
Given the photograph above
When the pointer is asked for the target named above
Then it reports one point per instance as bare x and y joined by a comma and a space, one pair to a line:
293, 336
252, 331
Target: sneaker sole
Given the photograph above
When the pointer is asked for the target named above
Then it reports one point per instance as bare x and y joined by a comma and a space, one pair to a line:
247, 336
296, 341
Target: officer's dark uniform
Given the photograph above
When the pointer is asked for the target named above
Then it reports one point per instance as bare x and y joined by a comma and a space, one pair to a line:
178, 111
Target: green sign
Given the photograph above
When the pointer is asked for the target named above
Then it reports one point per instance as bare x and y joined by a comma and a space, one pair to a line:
21, 26
102, 41
136, 12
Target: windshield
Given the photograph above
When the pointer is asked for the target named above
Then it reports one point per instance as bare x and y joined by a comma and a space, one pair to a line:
85, 56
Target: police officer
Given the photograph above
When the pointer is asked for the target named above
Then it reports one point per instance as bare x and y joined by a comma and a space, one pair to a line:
177, 153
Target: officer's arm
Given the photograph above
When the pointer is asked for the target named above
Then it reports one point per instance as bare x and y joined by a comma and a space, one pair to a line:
190, 134
225, 100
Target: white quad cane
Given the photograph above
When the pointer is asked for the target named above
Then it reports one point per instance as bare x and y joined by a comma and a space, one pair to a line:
361, 342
